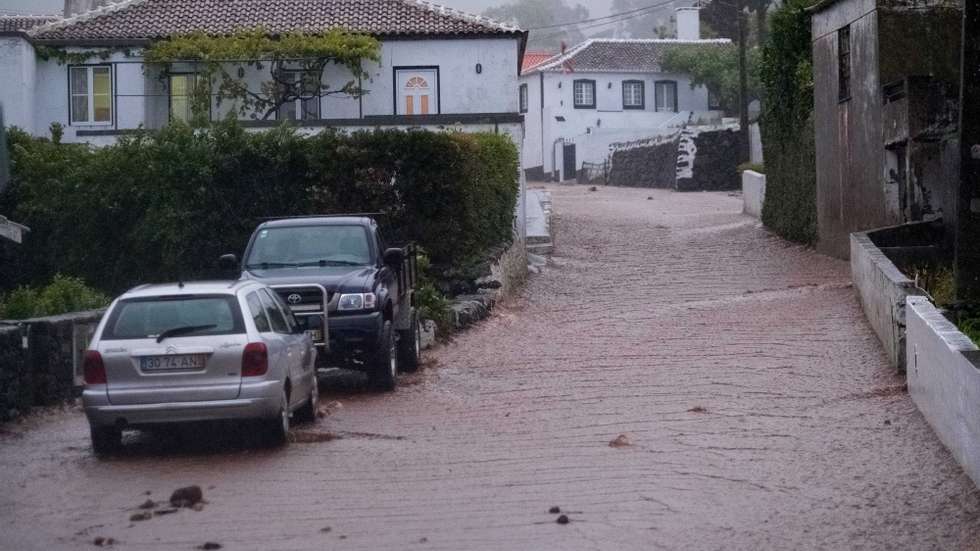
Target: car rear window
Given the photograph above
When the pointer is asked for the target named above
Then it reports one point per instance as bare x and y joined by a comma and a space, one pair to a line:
143, 318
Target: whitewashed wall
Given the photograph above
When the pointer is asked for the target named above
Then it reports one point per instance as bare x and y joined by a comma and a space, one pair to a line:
141, 98
596, 128
17, 77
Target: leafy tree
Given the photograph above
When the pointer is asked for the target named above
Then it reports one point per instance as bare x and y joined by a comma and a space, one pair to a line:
716, 67
531, 14
220, 60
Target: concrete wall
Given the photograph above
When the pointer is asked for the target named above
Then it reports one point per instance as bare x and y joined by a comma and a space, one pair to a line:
882, 289
753, 193
18, 68
141, 100
944, 381
593, 130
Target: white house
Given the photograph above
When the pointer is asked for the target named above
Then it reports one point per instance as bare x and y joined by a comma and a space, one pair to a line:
604, 91
439, 67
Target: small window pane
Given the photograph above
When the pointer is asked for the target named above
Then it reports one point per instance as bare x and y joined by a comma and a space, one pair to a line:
103, 108
79, 109
79, 80
258, 313
181, 87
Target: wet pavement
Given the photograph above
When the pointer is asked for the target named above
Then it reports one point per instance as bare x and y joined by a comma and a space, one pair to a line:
677, 378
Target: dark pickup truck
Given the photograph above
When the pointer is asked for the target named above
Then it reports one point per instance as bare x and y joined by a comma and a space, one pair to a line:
350, 288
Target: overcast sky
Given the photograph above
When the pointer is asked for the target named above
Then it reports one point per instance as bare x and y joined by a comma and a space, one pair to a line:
596, 7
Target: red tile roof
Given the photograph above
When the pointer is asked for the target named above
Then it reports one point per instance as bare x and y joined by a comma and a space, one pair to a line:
533, 59
141, 20
15, 23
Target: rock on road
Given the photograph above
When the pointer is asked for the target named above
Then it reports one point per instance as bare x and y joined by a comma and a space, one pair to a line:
677, 378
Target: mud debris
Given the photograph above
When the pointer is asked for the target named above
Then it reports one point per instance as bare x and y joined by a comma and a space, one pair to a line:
148, 504
563, 519
555, 510
698, 409
167, 511
187, 496
326, 529
209, 546
621, 441
103, 542
139, 517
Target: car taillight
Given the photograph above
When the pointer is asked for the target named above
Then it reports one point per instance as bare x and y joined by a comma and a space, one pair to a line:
255, 360
93, 368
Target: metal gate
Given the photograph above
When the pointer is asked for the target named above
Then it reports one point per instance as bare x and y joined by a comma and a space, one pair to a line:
568, 166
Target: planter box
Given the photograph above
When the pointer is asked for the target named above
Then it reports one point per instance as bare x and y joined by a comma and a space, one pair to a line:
882, 289
944, 381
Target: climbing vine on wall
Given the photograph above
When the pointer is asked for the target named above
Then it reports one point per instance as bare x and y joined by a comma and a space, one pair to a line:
222, 64
786, 73
65, 57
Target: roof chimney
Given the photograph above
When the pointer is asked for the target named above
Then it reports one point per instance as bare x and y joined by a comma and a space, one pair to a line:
75, 7
688, 24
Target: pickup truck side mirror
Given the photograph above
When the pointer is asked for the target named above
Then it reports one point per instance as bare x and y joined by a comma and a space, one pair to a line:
394, 258
228, 262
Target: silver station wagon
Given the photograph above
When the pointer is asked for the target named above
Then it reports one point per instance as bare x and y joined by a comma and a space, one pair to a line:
198, 352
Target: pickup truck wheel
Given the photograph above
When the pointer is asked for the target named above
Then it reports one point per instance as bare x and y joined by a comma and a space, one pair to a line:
106, 440
410, 346
276, 430
307, 413
383, 372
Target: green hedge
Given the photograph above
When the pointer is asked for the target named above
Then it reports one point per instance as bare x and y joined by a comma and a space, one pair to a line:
790, 207
164, 204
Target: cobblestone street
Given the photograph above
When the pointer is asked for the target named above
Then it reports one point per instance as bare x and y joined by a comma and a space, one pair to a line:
750, 404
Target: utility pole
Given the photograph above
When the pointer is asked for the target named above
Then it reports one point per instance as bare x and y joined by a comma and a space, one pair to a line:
743, 84
967, 263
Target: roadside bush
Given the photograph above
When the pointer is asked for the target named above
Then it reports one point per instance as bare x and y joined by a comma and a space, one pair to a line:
166, 204
63, 295
790, 208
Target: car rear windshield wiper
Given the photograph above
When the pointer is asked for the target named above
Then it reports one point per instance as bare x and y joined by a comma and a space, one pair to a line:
186, 330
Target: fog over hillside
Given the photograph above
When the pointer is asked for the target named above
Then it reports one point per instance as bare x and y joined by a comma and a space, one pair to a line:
596, 7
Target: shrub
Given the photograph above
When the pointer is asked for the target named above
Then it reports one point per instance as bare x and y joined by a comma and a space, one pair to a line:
166, 204
790, 208
63, 295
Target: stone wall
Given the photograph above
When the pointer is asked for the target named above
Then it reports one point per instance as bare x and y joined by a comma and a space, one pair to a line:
508, 271
708, 160
653, 165
43, 373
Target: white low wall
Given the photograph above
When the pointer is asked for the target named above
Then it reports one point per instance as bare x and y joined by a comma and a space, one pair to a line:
882, 289
944, 381
753, 192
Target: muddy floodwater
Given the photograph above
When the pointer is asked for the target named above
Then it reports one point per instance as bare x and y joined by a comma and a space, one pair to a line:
676, 378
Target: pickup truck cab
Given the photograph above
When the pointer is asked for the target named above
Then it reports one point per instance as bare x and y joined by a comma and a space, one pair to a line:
349, 287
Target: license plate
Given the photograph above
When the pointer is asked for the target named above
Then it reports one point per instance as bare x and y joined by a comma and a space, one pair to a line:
195, 362
316, 335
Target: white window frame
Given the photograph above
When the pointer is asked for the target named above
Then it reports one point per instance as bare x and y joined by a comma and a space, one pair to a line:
629, 89
658, 88
524, 103
585, 84
194, 77
90, 95
299, 105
